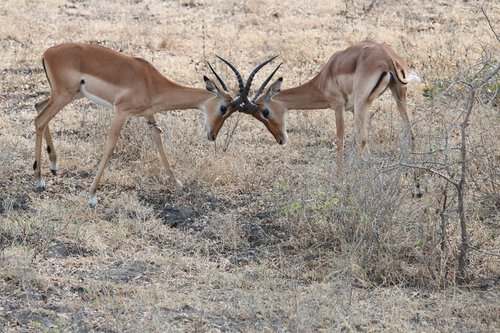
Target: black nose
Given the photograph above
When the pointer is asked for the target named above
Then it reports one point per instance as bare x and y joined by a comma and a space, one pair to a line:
213, 137
280, 141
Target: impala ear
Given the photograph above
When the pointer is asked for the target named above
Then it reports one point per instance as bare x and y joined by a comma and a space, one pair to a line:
274, 89
211, 86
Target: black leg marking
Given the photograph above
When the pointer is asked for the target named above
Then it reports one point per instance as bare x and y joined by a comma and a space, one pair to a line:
419, 192
34, 165
49, 149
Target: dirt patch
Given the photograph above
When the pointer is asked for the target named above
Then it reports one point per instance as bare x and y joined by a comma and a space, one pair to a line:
179, 215
60, 250
261, 230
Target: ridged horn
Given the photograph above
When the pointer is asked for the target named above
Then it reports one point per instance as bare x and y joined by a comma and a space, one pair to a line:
218, 77
263, 86
252, 75
238, 75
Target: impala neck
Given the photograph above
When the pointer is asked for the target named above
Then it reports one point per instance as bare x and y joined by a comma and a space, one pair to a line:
305, 97
177, 97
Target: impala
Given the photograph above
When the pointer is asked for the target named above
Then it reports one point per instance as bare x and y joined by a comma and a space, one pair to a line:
350, 81
131, 86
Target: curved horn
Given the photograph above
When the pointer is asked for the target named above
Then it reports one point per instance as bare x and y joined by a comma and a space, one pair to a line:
218, 77
250, 78
238, 75
263, 86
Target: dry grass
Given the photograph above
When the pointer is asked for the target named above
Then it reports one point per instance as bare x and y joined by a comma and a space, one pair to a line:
262, 237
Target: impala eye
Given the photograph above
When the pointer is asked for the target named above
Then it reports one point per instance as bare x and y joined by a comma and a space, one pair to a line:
223, 109
266, 113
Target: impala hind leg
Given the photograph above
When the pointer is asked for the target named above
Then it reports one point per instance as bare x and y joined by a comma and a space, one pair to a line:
340, 125
156, 133
360, 119
399, 94
114, 132
48, 138
46, 109
367, 93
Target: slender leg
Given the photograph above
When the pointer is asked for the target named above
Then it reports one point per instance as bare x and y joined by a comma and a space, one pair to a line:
360, 118
399, 94
48, 139
339, 122
40, 183
51, 151
156, 133
117, 122
48, 110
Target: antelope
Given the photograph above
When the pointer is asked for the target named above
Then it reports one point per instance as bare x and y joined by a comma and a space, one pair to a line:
350, 81
131, 86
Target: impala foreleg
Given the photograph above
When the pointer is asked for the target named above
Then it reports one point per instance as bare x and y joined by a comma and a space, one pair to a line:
114, 132
156, 133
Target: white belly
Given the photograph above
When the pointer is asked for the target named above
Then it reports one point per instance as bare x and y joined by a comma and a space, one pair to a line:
91, 86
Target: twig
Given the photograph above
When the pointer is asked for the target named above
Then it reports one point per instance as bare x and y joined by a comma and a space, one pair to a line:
493, 73
489, 22
203, 29
435, 172
230, 135
487, 252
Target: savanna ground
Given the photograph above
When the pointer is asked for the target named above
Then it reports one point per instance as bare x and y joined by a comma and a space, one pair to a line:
262, 237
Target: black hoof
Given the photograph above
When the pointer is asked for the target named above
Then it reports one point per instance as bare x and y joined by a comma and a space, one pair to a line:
54, 172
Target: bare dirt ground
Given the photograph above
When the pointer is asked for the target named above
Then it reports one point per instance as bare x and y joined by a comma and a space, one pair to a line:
262, 237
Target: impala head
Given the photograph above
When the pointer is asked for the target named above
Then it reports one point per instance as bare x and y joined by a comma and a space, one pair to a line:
271, 112
216, 109
261, 106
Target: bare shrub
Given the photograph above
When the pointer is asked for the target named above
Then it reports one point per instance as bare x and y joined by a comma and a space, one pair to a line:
462, 153
355, 220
